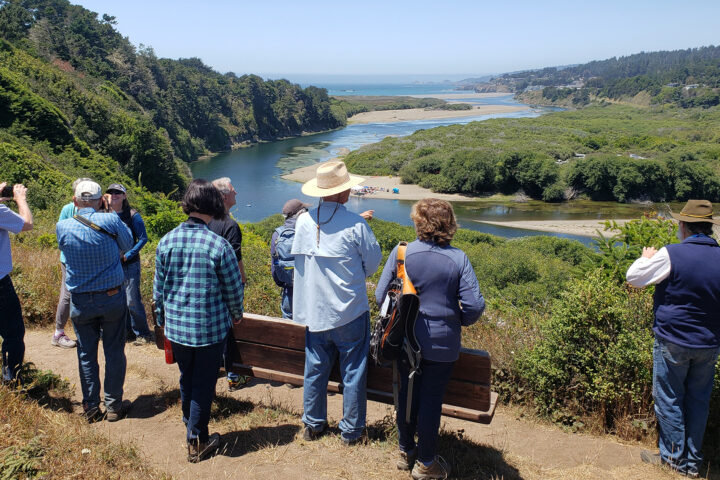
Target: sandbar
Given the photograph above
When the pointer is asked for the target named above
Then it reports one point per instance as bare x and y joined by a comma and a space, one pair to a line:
462, 94
406, 192
583, 228
414, 114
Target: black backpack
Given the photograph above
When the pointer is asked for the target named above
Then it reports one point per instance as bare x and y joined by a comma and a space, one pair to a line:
393, 337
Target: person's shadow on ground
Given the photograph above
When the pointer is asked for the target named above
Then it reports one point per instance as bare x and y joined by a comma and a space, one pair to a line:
469, 459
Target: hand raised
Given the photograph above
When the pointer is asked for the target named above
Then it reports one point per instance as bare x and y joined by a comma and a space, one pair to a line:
648, 252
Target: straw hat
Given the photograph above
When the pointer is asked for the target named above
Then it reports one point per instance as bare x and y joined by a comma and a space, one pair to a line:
696, 211
330, 178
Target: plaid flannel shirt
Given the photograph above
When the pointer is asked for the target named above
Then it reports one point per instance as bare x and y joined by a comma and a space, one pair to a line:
198, 288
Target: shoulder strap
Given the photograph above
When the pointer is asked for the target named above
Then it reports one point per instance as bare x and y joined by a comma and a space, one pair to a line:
133, 212
408, 287
94, 226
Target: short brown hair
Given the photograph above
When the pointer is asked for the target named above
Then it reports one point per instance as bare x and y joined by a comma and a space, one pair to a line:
699, 227
434, 221
203, 197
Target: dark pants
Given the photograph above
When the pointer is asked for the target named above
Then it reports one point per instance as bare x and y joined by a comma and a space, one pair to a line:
12, 329
228, 357
428, 391
199, 367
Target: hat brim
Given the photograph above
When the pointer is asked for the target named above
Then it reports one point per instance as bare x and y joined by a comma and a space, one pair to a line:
311, 189
684, 218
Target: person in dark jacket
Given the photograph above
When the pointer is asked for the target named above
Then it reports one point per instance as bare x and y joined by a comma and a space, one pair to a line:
687, 334
137, 325
450, 298
291, 210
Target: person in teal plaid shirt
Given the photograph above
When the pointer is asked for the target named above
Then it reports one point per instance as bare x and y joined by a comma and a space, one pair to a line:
198, 293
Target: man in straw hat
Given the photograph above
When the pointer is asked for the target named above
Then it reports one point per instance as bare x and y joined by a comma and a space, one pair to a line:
687, 334
335, 251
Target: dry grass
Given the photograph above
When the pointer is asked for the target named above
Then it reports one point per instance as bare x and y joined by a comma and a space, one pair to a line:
39, 440
36, 276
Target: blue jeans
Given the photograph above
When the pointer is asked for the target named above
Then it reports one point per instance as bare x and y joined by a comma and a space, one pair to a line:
96, 315
199, 367
428, 391
12, 330
351, 343
286, 302
137, 320
682, 384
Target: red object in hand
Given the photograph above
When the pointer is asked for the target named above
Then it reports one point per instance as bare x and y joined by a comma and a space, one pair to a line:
169, 357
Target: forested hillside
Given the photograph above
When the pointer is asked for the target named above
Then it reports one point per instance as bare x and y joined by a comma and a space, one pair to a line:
73, 88
687, 78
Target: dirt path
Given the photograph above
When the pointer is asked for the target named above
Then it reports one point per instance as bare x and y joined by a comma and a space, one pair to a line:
262, 442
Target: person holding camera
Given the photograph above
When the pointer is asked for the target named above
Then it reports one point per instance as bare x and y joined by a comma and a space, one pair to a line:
137, 326
12, 328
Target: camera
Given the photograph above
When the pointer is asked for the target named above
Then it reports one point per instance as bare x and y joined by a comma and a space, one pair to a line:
7, 192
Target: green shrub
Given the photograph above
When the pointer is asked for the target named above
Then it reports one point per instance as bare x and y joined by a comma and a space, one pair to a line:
594, 355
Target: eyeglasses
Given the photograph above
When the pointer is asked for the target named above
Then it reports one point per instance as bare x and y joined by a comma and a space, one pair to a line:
115, 192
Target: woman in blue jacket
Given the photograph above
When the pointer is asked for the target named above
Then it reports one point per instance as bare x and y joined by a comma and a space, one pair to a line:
449, 299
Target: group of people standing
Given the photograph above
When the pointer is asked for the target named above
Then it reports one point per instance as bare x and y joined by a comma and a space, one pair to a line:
321, 258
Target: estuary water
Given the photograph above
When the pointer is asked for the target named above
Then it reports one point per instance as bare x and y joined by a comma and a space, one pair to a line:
256, 171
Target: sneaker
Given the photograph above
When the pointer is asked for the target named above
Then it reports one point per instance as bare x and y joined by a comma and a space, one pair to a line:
62, 341
115, 415
93, 414
651, 458
438, 469
143, 340
199, 451
406, 460
235, 385
309, 434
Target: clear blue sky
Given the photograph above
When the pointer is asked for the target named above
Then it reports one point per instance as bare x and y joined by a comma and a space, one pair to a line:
452, 39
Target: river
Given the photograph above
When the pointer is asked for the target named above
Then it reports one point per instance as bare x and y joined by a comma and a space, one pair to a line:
256, 172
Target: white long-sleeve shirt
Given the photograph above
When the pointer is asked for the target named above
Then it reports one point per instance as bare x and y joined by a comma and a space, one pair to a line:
649, 271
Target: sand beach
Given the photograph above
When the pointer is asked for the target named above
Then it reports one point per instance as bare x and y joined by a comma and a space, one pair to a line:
584, 228
415, 114
385, 186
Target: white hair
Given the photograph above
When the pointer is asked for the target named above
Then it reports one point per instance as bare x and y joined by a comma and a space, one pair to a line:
77, 182
223, 184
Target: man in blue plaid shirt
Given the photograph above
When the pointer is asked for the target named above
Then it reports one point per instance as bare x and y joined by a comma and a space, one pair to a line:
198, 292
94, 278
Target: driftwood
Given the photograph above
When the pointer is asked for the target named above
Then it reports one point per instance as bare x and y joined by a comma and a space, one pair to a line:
274, 349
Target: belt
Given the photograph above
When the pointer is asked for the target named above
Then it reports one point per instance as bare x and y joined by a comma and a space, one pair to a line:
110, 292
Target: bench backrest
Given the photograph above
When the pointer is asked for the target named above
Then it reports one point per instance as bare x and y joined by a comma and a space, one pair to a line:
274, 349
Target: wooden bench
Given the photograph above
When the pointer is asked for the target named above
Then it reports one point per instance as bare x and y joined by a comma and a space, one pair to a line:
274, 349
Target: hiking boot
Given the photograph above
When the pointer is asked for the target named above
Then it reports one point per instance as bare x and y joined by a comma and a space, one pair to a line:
115, 415
310, 435
93, 414
235, 385
199, 451
438, 469
143, 340
62, 341
406, 460
349, 442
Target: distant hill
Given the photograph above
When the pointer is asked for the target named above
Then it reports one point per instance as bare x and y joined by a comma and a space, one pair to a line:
70, 82
687, 78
